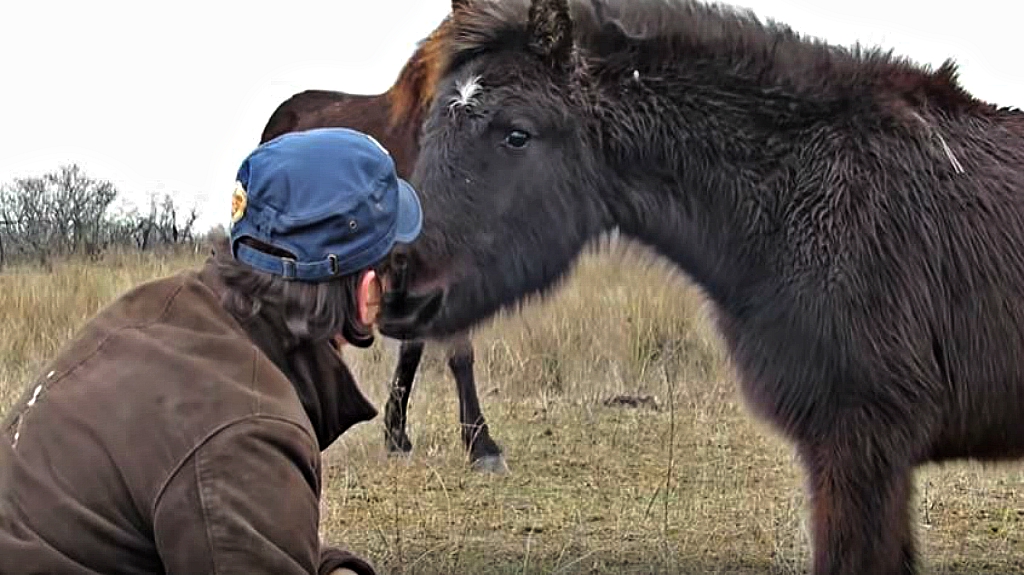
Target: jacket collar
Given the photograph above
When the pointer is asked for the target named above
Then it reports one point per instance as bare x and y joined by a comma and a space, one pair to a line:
325, 386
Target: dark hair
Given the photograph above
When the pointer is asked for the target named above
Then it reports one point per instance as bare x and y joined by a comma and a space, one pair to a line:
300, 311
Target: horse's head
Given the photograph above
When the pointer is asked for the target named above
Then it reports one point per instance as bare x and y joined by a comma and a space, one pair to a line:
507, 168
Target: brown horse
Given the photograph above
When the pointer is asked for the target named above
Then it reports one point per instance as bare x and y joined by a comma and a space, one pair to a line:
394, 118
857, 221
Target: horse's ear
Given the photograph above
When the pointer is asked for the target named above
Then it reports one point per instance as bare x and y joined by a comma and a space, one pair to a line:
613, 36
550, 29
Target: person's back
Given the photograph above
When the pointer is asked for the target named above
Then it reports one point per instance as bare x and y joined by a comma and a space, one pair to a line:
128, 448
181, 430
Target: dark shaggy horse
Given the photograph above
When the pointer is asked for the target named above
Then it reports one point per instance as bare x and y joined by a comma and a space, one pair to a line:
394, 118
857, 221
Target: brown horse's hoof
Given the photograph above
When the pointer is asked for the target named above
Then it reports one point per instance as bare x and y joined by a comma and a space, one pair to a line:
491, 464
397, 442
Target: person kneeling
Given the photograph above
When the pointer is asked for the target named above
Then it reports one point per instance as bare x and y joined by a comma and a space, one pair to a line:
180, 431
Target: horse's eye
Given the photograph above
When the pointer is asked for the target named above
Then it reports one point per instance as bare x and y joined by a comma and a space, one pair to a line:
517, 138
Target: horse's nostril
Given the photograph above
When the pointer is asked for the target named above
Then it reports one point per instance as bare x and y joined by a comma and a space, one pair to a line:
395, 296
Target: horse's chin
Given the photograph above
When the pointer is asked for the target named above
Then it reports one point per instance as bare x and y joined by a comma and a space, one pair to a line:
420, 286
408, 316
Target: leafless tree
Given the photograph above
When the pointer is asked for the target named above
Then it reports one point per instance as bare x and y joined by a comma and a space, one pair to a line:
66, 212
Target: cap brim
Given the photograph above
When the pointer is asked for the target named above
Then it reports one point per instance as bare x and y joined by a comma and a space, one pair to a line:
410, 215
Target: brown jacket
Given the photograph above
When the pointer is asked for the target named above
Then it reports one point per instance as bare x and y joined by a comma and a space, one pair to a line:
162, 439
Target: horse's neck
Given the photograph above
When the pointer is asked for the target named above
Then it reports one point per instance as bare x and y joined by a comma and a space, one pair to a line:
683, 189
700, 242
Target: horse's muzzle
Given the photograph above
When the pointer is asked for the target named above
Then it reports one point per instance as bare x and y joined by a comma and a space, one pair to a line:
404, 315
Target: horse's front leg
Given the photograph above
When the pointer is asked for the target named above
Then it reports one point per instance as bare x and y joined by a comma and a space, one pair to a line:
397, 408
484, 452
860, 491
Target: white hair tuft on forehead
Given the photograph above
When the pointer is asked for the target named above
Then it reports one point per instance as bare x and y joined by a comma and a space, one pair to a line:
468, 90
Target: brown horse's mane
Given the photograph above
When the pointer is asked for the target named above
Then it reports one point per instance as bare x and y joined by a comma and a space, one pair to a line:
413, 90
659, 31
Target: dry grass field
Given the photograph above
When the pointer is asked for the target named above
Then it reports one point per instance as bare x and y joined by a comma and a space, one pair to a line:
693, 486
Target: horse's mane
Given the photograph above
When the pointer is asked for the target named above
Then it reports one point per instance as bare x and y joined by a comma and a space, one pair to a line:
662, 30
413, 90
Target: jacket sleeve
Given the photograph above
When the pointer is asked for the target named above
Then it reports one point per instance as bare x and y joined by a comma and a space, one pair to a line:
247, 501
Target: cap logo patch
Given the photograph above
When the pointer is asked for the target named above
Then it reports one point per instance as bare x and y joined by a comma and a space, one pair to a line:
238, 202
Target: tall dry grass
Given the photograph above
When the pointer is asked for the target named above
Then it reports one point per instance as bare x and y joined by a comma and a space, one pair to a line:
696, 486
41, 309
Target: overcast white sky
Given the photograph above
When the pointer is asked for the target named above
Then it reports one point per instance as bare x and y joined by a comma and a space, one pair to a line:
171, 96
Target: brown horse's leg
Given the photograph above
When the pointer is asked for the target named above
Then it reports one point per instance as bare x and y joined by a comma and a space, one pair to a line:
484, 453
860, 500
395, 411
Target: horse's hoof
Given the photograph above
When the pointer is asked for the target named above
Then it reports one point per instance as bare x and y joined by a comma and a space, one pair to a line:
399, 453
397, 444
491, 464
392, 454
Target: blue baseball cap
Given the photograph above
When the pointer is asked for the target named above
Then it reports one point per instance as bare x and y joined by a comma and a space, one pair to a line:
330, 196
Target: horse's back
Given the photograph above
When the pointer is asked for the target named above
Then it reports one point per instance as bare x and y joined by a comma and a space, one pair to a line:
323, 108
